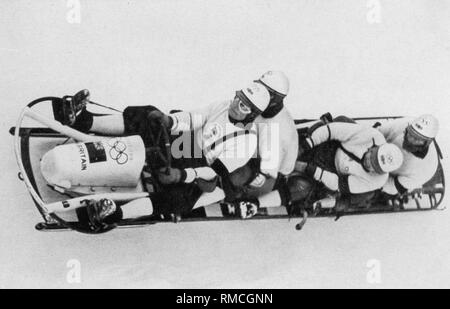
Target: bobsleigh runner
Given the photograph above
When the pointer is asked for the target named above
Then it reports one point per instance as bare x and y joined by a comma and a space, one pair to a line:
63, 169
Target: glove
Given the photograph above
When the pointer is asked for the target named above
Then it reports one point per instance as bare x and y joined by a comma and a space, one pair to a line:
171, 175
246, 209
157, 118
258, 181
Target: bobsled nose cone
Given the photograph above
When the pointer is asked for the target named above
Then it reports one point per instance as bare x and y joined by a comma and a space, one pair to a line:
52, 170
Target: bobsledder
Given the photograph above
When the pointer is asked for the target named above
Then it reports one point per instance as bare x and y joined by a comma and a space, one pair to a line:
63, 198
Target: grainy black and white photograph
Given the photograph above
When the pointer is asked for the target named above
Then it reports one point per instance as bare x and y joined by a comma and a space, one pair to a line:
224, 144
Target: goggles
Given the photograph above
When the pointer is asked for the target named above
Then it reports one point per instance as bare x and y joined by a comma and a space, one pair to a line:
244, 109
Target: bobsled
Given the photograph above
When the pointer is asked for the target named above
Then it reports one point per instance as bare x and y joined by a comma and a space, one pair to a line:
63, 168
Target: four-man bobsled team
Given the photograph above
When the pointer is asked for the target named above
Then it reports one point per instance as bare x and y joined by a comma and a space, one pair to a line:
253, 156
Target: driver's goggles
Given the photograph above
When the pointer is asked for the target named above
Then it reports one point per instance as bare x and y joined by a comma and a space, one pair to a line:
244, 108
240, 104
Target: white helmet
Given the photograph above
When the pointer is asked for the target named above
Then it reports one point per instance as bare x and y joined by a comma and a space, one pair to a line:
276, 81
387, 158
427, 126
258, 95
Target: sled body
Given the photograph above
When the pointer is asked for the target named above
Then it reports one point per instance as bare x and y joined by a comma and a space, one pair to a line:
37, 142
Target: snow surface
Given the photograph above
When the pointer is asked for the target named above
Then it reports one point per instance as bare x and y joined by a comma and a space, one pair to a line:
180, 54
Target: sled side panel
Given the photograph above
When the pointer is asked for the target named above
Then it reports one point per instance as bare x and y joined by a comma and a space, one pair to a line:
26, 160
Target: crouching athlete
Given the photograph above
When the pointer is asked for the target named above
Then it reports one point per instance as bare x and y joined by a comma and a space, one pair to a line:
277, 145
341, 163
416, 139
224, 131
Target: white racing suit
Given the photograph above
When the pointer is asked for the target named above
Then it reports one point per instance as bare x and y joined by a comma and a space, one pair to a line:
416, 169
277, 152
277, 143
335, 163
217, 148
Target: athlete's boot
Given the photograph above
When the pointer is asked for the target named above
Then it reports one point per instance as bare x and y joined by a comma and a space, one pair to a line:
73, 111
99, 211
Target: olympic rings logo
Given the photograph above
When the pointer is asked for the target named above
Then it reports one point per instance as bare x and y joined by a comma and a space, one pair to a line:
117, 152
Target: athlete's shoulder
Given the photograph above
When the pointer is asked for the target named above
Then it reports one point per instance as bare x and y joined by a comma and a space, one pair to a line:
417, 165
374, 134
395, 125
220, 105
283, 118
216, 108
286, 116
361, 135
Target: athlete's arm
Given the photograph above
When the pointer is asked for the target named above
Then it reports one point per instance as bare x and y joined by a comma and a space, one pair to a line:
339, 131
187, 121
191, 120
187, 175
394, 186
232, 164
356, 185
329, 179
270, 149
205, 173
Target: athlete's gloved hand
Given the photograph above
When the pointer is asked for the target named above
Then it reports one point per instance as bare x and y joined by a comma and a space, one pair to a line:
246, 209
171, 175
156, 118
258, 181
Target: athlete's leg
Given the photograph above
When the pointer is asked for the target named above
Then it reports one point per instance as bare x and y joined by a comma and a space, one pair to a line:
137, 208
293, 193
134, 119
108, 125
